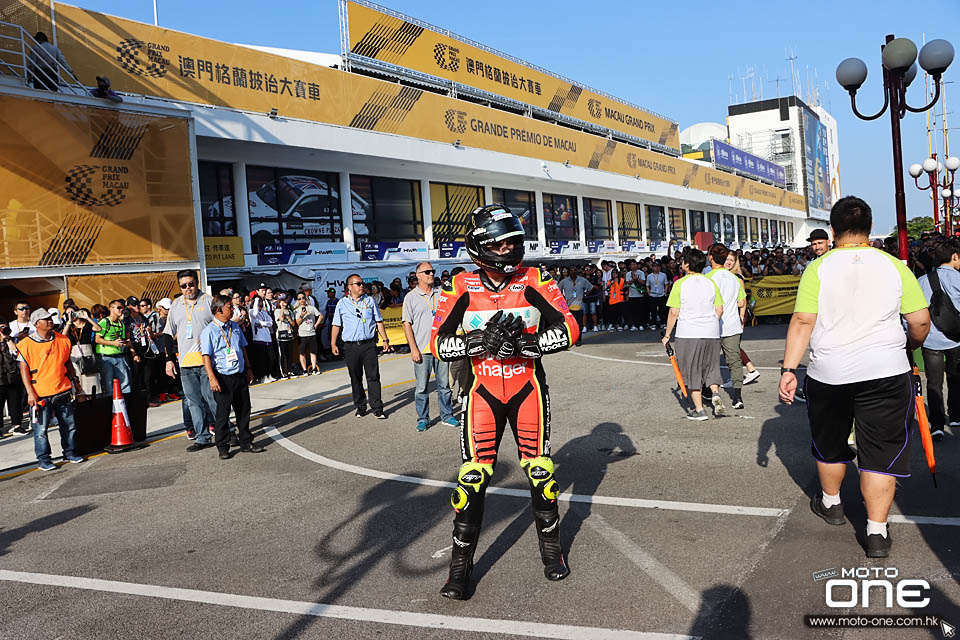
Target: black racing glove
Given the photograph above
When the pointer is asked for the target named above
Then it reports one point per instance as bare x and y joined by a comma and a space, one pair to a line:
501, 333
528, 347
474, 343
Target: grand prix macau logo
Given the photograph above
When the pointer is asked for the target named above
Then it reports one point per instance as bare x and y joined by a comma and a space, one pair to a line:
593, 106
446, 57
97, 186
456, 120
143, 58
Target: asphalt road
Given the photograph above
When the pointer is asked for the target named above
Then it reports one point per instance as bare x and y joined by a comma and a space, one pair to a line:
342, 527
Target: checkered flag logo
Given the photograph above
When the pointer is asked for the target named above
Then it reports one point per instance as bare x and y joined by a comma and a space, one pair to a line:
79, 188
128, 55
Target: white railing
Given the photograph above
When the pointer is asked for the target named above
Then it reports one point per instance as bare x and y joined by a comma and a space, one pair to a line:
15, 48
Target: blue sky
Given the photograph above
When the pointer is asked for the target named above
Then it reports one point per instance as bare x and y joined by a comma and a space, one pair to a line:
674, 58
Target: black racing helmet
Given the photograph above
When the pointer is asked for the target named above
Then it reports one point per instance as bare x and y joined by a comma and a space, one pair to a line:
494, 223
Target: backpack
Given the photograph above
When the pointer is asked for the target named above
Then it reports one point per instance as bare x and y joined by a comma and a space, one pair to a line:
942, 311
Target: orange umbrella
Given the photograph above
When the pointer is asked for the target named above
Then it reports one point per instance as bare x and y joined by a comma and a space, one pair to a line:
923, 424
676, 370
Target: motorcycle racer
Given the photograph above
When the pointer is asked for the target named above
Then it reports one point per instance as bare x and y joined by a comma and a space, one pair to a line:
503, 317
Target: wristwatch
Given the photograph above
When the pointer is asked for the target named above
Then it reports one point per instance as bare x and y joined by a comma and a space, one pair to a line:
784, 370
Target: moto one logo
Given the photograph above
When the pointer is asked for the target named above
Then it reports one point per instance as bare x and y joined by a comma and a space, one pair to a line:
856, 586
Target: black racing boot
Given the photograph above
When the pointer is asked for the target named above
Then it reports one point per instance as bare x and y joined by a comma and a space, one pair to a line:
465, 538
548, 533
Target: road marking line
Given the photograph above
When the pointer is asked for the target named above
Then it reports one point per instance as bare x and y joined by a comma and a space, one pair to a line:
937, 520
671, 582
523, 493
56, 485
660, 353
647, 362
341, 612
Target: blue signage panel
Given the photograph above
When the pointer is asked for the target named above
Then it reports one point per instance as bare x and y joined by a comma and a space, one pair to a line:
394, 251
725, 155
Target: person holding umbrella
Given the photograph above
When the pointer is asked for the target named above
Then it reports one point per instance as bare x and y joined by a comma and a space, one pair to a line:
696, 307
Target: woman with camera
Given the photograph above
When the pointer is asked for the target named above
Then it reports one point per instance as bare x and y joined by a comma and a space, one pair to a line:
82, 331
283, 316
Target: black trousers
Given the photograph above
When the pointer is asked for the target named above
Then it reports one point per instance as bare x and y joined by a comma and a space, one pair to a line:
234, 392
578, 316
658, 309
285, 348
361, 358
935, 364
637, 311
11, 395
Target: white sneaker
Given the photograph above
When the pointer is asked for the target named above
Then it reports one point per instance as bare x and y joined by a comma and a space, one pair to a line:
619, 328
595, 329
633, 328
751, 376
718, 410
954, 423
652, 327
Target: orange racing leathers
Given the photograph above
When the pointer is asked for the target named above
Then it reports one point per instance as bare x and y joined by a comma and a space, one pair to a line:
513, 389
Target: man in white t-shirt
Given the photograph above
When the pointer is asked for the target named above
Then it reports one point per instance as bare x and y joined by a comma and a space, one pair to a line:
731, 323
21, 327
695, 308
848, 309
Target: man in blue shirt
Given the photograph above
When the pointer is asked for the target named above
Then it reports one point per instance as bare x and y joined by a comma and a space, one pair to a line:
357, 320
940, 353
225, 359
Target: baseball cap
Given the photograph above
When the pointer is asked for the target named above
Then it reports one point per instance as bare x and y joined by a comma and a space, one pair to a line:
263, 285
818, 234
164, 303
331, 290
40, 314
133, 301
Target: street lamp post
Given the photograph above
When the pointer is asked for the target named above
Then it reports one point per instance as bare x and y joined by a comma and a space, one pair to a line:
933, 169
899, 70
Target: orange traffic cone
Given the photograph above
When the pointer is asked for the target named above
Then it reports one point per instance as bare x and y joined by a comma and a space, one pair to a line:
122, 439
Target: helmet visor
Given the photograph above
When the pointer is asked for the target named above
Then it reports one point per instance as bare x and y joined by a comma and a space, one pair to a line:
503, 227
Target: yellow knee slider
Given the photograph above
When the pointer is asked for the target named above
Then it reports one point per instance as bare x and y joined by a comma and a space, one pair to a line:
540, 473
472, 480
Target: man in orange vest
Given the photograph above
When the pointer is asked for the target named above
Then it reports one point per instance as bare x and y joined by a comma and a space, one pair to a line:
48, 377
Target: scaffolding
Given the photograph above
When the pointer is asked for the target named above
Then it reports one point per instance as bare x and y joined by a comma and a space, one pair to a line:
776, 145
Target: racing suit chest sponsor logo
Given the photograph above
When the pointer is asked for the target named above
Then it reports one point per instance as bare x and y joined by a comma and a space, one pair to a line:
491, 368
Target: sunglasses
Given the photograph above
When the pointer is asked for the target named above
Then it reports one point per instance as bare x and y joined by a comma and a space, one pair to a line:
428, 272
359, 284
188, 285
23, 308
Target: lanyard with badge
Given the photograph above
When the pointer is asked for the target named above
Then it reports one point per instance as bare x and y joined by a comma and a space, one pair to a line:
188, 311
361, 308
432, 301
232, 356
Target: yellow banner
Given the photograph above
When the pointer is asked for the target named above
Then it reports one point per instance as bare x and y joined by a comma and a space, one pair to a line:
144, 59
774, 295
378, 35
84, 185
393, 325
223, 251
87, 291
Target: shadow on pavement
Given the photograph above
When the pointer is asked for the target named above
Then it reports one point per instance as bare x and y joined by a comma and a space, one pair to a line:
9, 536
724, 614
